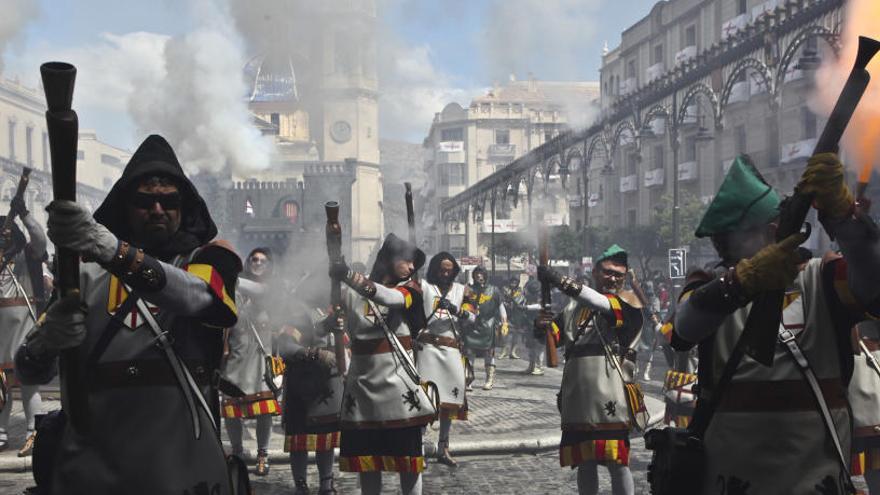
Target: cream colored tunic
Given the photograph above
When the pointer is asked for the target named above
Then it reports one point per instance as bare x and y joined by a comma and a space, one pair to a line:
441, 365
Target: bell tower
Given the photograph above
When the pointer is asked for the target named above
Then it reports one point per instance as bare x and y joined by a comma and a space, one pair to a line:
349, 117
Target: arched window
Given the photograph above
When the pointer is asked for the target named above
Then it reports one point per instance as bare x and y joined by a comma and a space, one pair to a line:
249, 208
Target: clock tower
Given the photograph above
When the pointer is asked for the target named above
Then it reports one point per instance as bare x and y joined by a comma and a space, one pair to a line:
349, 117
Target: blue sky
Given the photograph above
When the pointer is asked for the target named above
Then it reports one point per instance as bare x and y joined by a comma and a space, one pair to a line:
457, 47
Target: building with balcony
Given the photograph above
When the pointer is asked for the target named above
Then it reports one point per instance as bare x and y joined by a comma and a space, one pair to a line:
465, 145
713, 79
24, 142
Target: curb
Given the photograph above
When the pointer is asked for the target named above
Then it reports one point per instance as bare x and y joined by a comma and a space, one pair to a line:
460, 449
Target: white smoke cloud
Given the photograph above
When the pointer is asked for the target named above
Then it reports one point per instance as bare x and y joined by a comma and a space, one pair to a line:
198, 102
14, 15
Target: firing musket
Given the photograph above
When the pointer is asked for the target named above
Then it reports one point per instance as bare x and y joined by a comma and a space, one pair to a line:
19, 195
758, 340
411, 220
62, 124
544, 261
334, 253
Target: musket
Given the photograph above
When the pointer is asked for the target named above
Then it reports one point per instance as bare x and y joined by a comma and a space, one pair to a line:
63, 128
19, 194
411, 220
544, 260
758, 339
334, 253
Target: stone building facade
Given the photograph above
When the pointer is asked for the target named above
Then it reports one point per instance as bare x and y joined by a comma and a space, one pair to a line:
466, 145
692, 85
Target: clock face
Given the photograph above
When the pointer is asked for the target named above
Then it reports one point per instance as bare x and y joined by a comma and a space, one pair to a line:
340, 131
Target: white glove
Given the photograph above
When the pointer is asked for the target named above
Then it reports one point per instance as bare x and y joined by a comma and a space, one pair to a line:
73, 227
62, 326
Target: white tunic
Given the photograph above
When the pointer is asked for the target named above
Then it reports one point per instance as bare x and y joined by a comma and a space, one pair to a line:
439, 363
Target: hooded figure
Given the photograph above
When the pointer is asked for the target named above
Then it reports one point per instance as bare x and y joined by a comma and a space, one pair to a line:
21, 291
440, 363
141, 398
384, 406
249, 342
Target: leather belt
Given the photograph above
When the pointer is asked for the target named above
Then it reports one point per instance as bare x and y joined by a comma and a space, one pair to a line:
438, 340
871, 344
264, 395
144, 373
780, 396
8, 302
377, 346
584, 350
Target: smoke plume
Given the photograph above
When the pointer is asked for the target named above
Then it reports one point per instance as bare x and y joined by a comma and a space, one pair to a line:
198, 101
15, 15
860, 142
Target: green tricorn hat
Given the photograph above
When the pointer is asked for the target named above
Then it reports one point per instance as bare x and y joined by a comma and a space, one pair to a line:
744, 200
615, 253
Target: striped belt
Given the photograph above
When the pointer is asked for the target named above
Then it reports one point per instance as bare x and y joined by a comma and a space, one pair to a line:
438, 340
377, 346
265, 395
144, 373
8, 302
781, 396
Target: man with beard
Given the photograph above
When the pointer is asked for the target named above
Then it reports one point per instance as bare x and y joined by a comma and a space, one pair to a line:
479, 336
604, 324
249, 342
145, 337
384, 407
770, 433
21, 292
439, 349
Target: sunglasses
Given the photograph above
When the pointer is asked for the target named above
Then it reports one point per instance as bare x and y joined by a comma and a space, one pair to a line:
612, 273
146, 201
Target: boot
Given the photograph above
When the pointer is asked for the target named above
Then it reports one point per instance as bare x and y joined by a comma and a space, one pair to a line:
262, 463
538, 370
443, 456
530, 369
331, 490
28, 447
513, 354
505, 351
490, 378
301, 486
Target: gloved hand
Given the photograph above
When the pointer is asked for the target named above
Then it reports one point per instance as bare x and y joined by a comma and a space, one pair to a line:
505, 329
448, 306
62, 326
326, 359
17, 207
339, 270
549, 275
5, 240
543, 324
72, 226
824, 178
773, 268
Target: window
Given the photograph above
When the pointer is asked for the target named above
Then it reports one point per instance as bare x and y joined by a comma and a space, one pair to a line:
452, 174
46, 163
453, 134
502, 136
344, 60
548, 135
601, 191
690, 149
741, 6
456, 245
12, 140
631, 69
290, 210
658, 54
109, 159
659, 157
810, 126
29, 146
276, 121
690, 35
631, 218
739, 139
631, 164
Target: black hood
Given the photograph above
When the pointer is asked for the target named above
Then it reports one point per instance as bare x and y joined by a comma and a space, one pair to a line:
18, 239
433, 275
395, 247
155, 157
267, 252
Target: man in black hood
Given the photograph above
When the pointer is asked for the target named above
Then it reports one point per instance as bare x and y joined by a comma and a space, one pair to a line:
145, 337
